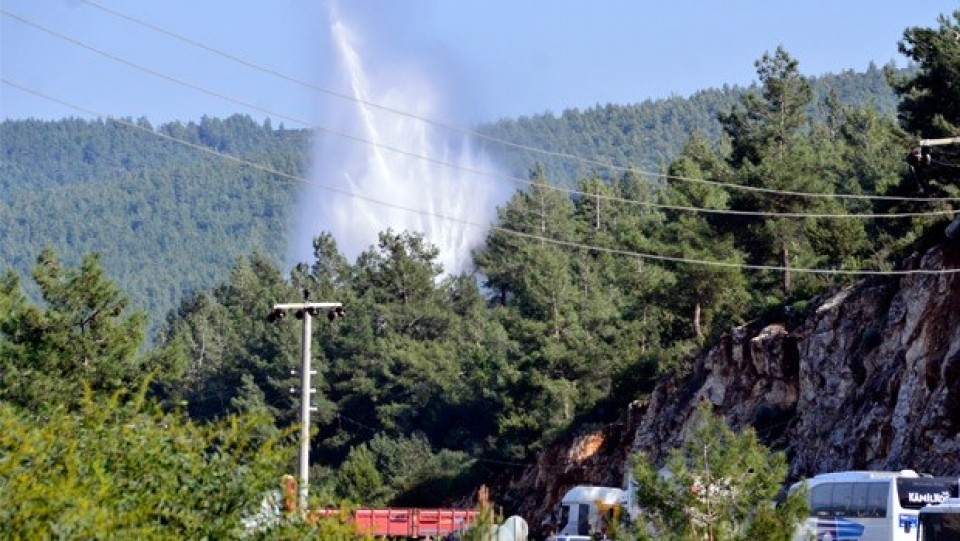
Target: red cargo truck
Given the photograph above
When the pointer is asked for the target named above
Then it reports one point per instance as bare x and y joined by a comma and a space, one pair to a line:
411, 523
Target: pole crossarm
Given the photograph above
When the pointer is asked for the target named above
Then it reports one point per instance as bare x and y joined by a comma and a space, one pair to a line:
305, 305
940, 142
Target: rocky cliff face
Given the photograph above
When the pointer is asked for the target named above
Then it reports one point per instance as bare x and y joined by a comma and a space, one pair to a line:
869, 378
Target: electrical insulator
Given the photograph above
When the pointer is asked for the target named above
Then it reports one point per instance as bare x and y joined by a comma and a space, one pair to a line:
276, 315
336, 313
919, 157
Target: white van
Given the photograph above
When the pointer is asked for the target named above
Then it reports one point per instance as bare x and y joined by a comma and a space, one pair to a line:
586, 512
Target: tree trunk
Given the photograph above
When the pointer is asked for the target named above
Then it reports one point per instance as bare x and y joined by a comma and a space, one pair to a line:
697, 328
787, 286
597, 227
543, 218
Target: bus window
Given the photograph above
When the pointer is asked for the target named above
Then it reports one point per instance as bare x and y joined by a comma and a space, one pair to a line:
820, 501
861, 492
583, 520
877, 496
564, 515
843, 499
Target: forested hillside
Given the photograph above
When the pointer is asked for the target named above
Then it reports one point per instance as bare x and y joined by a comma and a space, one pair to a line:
169, 219
648, 135
166, 218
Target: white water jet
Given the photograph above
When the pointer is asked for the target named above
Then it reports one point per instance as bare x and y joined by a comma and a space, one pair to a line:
394, 170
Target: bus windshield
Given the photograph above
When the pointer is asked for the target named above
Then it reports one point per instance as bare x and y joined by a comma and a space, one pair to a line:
940, 527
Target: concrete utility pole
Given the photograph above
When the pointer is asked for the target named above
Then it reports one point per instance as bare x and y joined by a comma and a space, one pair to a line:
305, 310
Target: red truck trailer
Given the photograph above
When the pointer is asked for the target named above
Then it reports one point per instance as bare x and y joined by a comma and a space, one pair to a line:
410, 523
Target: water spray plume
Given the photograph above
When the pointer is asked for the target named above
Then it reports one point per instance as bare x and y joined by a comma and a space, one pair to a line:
411, 179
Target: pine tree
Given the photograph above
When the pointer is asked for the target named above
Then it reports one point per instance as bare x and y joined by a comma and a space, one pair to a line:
930, 100
712, 294
718, 485
930, 105
83, 336
772, 150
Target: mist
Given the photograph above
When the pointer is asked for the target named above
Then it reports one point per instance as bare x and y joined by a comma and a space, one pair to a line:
377, 164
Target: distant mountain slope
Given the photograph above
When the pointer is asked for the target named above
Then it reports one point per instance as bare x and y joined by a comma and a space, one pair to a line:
166, 218
169, 219
649, 134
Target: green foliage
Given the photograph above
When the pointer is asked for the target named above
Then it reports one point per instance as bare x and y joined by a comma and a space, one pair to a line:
718, 485
224, 338
929, 109
82, 336
651, 133
930, 106
715, 296
429, 378
575, 317
169, 220
115, 468
358, 479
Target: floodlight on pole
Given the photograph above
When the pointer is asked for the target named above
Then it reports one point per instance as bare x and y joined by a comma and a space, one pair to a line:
304, 311
922, 155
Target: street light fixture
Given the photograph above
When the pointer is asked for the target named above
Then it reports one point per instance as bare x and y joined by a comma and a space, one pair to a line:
306, 311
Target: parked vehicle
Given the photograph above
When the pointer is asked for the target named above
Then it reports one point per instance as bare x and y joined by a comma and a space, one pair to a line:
871, 505
940, 522
412, 523
586, 512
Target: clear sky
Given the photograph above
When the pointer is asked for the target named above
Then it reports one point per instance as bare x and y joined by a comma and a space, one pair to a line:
490, 58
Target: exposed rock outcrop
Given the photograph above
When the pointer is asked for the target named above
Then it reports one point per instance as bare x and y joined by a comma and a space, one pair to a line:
869, 378
595, 457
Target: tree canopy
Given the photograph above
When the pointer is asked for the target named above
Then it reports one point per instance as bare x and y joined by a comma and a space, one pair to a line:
719, 486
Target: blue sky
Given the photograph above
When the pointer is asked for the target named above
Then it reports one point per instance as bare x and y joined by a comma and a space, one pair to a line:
489, 58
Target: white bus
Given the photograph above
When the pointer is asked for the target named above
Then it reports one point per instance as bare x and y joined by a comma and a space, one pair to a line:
940, 522
870, 506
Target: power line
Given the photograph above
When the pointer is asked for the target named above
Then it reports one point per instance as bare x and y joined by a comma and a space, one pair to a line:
480, 172
519, 234
482, 136
945, 164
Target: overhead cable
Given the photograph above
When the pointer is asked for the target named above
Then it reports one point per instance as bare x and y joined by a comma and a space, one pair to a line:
482, 136
505, 230
471, 170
